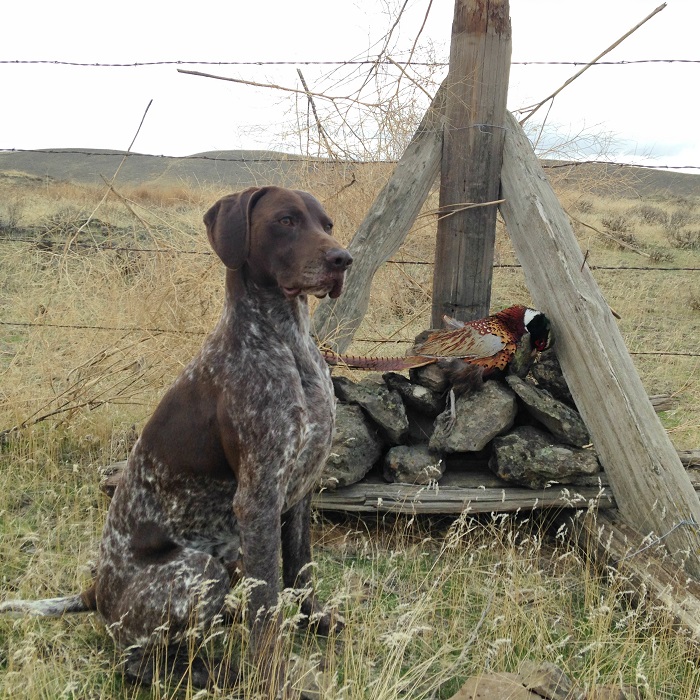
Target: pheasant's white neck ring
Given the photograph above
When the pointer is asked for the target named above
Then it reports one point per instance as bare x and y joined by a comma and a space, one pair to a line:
530, 314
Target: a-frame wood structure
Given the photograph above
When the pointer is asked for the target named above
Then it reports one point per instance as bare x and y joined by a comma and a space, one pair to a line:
651, 488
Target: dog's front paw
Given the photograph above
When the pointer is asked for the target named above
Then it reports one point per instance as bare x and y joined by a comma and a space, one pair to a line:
326, 622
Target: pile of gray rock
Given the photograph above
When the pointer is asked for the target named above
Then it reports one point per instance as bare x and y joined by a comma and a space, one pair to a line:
410, 429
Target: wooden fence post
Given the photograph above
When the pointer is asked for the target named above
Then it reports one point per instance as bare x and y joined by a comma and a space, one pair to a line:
477, 87
651, 488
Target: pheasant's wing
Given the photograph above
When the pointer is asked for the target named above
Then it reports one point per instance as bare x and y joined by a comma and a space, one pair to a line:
466, 342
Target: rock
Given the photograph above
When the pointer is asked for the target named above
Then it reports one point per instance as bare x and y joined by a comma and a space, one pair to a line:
548, 681
479, 417
495, 686
355, 450
415, 464
563, 422
415, 396
431, 377
548, 375
381, 404
420, 426
530, 457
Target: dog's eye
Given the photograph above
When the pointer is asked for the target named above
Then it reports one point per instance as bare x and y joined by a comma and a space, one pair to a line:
287, 221
328, 228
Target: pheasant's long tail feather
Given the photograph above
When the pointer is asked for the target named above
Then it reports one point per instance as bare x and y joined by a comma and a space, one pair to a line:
48, 607
376, 364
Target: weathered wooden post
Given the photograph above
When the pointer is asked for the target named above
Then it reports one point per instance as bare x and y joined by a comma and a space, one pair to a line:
651, 487
384, 228
477, 87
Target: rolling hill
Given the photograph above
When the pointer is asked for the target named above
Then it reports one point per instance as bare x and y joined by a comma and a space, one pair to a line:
243, 168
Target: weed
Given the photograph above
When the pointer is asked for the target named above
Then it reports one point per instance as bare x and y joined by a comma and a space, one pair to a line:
679, 219
617, 223
650, 214
684, 239
660, 255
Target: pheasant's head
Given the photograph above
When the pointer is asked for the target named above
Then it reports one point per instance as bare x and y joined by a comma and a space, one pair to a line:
538, 326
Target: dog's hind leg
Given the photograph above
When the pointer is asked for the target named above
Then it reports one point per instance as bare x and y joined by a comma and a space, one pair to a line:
154, 608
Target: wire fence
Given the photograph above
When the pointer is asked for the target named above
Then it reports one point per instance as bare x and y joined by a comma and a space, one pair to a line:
180, 331
296, 159
43, 244
366, 62
275, 158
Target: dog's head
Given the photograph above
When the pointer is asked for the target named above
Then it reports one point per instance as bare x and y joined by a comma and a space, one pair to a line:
278, 237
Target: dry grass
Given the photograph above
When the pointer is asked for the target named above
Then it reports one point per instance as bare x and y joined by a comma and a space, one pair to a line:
427, 602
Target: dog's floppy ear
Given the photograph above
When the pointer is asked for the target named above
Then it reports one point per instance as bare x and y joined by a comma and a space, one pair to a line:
228, 226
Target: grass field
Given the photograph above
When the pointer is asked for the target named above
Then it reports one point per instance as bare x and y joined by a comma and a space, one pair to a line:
101, 333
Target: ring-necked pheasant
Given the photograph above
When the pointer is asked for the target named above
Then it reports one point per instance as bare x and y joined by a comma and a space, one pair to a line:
468, 352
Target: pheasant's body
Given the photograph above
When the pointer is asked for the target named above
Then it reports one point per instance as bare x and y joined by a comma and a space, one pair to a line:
487, 344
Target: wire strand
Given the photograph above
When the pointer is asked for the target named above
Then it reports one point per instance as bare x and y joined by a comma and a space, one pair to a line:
364, 62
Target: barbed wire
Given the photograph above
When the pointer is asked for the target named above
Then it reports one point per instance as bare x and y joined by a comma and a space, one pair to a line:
101, 247
363, 62
294, 159
553, 166
83, 327
135, 329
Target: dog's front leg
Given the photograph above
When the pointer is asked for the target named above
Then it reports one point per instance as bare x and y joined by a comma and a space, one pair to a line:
258, 510
296, 572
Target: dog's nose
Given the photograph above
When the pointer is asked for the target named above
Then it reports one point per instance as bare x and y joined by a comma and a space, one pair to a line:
339, 258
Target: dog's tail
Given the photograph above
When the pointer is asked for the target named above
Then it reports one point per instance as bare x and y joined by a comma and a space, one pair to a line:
52, 607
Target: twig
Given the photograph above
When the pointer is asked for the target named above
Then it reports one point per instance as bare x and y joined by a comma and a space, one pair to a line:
617, 240
403, 71
273, 86
124, 201
319, 126
109, 185
534, 108
452, 209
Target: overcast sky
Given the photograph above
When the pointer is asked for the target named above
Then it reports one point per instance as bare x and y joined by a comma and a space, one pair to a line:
650, 109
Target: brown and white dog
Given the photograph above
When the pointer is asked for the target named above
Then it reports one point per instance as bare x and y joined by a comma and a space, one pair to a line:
220, 479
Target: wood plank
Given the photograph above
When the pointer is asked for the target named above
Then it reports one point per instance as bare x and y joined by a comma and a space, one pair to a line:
479, 490
477, 87
651, 488
476, 492
613, 544
384, 228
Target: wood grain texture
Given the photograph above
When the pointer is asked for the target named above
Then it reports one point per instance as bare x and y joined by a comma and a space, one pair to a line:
652, 490
477, 87
478, 492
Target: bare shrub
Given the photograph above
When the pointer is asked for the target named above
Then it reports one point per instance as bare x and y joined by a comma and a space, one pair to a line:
584, 206
650, 214
694, 301
616, 223
684, 239
659, 255
161, 196
679, 219
10, 215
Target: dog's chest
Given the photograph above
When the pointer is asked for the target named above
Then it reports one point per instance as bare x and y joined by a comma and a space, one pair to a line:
316, 434
281, 400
